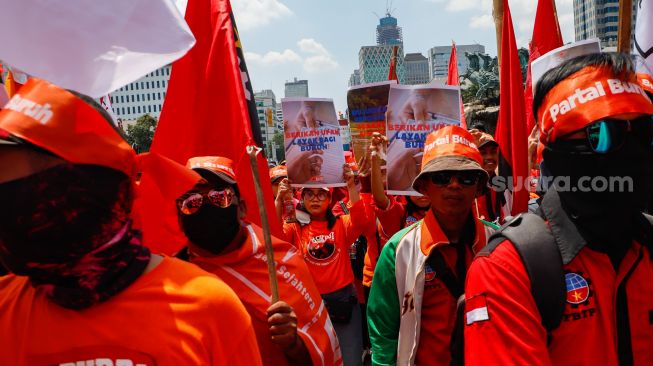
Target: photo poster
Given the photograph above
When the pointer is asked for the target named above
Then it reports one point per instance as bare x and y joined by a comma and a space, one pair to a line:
313, 145
413, 113
367, 105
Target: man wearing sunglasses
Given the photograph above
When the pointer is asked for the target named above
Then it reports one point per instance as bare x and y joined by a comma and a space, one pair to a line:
595, 123
292, 331
421, 270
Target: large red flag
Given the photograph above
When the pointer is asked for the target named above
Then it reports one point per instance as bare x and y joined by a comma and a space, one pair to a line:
511, 133
453, 79
392, 73
546, 37
209, 107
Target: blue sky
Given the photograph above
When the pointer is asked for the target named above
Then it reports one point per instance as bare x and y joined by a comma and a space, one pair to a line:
319, 40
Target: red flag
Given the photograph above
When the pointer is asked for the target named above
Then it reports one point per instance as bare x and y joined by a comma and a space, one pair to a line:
546, 37
209, 107
453, 79
511, 133
392, 73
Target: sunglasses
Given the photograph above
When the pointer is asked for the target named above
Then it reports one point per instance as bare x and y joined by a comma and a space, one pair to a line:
321, 195
609, 135
464, 177
223, 199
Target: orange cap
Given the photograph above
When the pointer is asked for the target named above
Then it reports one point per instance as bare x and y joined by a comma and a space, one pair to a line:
646, 81
65, 125
278, 172
218, 165
450, 148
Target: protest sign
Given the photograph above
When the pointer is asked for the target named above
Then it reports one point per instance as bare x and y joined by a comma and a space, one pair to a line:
413, 113
367, 105
313, 145
559, 55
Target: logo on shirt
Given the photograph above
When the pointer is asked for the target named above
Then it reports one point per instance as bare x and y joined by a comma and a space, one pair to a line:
578, 289
411, 220
322, 247
429, 273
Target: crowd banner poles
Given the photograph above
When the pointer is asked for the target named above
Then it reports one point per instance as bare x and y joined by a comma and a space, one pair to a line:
497, 13
252, 151
625, 25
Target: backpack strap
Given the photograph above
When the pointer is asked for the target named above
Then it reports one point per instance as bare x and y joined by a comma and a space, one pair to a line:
532, 238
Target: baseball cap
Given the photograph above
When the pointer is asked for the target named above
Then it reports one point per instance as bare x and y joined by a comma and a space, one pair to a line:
278, 172
450, 148
487, 139
220, 166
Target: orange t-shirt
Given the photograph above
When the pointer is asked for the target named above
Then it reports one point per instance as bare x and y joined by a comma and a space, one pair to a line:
246, 272
175, 314
326, 251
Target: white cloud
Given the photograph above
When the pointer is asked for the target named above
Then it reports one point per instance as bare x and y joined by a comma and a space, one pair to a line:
319, 63
484, 21
252, 14
273, 57
316, 57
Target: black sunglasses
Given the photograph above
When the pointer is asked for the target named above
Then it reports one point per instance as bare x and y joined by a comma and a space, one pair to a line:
608, 135
464, 177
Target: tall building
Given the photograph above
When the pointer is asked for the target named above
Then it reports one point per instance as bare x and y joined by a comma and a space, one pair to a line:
266, 106
417, 69
599, 19
374, 63
439, 59
355, 78
387, 32
296, 88
143, 96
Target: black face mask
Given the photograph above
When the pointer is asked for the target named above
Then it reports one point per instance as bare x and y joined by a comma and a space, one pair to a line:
212, 228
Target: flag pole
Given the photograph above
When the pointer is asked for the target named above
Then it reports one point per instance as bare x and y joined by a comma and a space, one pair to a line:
252, 151
625, 25
497, 14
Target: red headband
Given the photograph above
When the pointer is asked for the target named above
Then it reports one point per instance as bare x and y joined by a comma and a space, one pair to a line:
586, 96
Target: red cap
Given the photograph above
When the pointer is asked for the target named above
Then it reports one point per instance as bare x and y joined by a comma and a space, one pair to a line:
278, 172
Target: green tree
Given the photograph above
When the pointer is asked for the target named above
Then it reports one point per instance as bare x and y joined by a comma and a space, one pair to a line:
141, 133
277, 139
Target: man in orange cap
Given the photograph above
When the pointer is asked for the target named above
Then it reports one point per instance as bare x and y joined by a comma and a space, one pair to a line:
488, 206
421, 271
82, 288
293, 331
584, 295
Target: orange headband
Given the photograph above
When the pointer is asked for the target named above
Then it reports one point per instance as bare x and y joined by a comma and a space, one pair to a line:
60, 122
586, 96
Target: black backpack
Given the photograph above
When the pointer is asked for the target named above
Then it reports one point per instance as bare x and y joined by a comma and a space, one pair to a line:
541, 257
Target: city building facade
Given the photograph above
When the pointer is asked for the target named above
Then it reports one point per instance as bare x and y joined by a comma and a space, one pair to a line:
599, 19
296, 88
355, 78
266, 107
387, 32
143, 96
438, 58
374, 63
417, 69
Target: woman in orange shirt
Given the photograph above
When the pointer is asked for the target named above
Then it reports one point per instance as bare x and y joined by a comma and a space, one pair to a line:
324, 243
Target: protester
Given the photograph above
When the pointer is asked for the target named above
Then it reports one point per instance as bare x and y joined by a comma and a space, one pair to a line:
393, 213
277, 173
595, 123
82, 288
324, 243
421, 271
488, 206
291, 331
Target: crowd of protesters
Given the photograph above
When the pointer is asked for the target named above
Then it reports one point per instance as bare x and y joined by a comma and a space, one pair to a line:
443, 277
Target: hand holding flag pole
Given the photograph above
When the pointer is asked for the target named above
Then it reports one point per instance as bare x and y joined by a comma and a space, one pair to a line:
252, 151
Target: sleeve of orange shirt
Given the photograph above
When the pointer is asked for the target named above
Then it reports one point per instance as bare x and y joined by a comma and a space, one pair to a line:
289, 231
510, 332
356, 222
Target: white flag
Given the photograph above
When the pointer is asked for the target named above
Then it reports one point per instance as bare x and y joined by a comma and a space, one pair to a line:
644, 34
93, 47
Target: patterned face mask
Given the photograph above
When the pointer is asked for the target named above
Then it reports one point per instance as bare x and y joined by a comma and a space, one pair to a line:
68, 229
